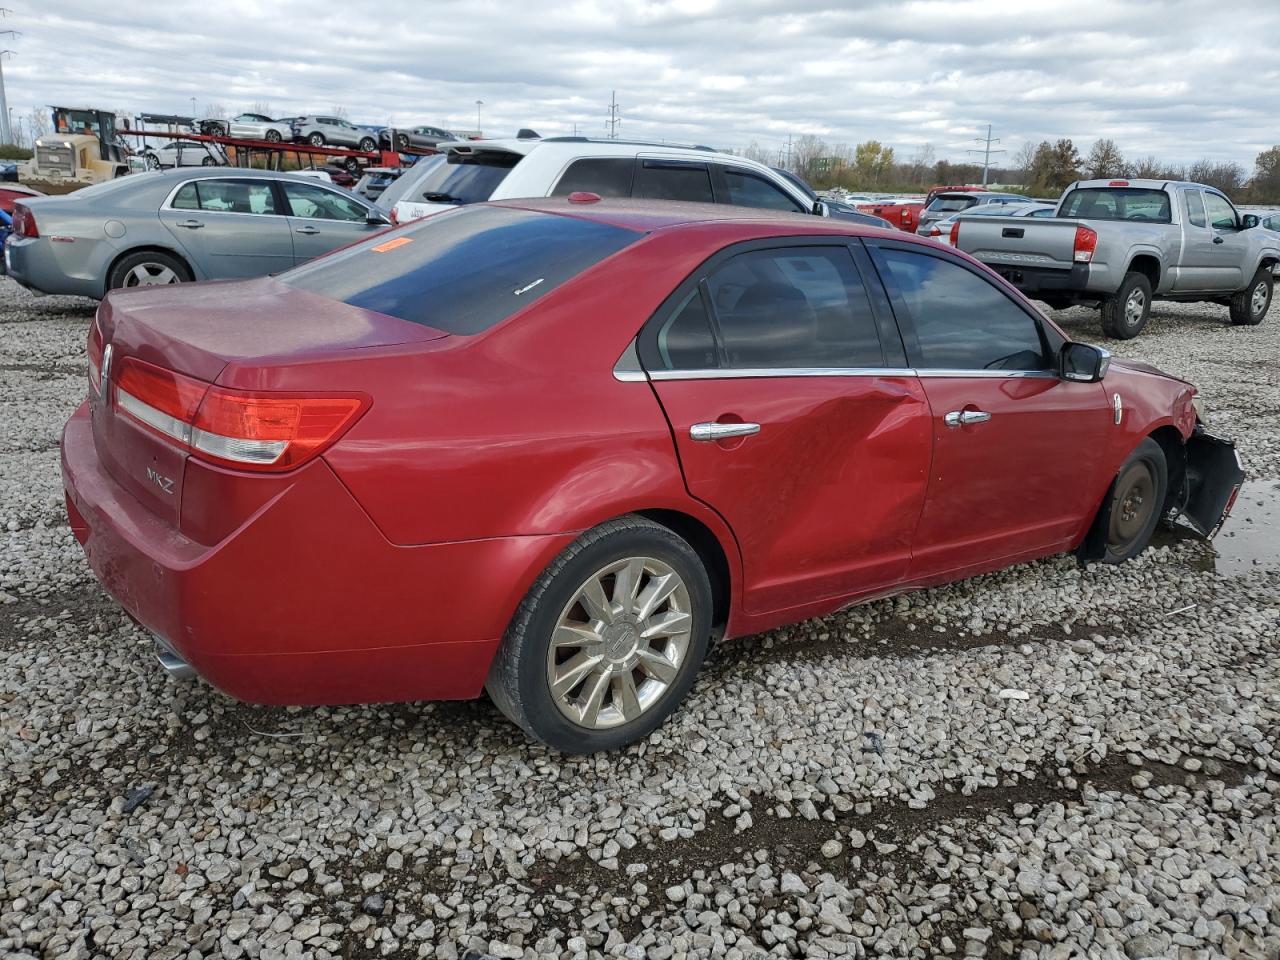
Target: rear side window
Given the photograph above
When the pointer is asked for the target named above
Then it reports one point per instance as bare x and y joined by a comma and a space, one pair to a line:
1118, 203
685, 340
663, 180
462, 272
749, 190
1195, 207
605, 176
962, 322
465, 178
794, 307
226, 196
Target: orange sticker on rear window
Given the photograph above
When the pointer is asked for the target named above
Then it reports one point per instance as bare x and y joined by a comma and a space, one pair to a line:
392, 244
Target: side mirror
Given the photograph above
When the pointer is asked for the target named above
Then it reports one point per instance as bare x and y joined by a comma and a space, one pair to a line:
1083, 362
1249, 221
376, 218
820, 209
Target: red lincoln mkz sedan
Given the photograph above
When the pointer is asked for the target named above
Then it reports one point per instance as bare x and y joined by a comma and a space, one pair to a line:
549, 449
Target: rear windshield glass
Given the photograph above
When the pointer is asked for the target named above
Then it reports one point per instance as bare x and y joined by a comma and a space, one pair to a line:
469, 178
407, 181
951, 204
462, 272
1118, 203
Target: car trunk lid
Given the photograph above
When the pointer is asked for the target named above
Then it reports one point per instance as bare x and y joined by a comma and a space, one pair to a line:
186, 335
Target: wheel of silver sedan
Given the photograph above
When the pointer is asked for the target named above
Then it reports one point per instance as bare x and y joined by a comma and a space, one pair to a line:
150, 275
619, 643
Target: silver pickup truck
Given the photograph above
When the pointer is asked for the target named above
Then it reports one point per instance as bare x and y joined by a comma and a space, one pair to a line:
1123, 243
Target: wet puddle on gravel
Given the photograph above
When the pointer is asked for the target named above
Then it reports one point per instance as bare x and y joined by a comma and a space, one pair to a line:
1250, 539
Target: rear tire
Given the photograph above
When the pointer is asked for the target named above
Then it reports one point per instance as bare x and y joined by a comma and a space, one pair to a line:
316, 139
147, 268
273, 136
1250, 305
1125, 314
593, 659
1134, 504
368, 145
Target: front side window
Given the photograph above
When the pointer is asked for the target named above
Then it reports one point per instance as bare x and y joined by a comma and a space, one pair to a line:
605, 176
794, 307
1118, 203
462, 271
962, 321
662, 180
317, 203
1222, 216
750, 190
228, 196
1195, 207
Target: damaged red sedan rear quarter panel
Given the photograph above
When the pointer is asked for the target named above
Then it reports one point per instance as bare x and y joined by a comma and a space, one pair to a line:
389, 567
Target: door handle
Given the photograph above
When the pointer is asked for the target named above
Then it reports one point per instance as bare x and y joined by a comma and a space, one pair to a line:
959, 418
1217, 240
191, 224
307, 230
722, 431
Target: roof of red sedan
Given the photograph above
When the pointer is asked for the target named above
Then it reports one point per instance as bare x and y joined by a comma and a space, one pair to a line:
650, 215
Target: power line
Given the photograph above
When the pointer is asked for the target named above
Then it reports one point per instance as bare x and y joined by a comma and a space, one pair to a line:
986, 152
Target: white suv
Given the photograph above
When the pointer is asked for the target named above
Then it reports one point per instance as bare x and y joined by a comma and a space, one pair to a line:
473, 171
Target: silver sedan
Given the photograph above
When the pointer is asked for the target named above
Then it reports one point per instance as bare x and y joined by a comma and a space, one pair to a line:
179, 225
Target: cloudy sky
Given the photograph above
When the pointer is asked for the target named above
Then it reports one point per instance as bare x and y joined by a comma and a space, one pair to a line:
1182, 79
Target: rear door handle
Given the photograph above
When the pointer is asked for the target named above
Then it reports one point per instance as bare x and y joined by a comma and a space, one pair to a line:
722, 431
958, 418
307, 230
191, 224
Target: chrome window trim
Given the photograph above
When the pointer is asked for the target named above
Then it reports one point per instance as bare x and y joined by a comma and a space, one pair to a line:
628, 368
745, 373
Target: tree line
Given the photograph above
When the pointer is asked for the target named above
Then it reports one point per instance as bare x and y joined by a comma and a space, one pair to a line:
1042, 170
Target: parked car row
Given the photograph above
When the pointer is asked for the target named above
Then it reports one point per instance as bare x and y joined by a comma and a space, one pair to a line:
321, 130
572, 536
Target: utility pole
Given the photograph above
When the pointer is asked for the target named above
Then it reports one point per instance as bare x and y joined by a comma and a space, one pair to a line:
479, 104
614, 118
787, 165
6, 133
986, 152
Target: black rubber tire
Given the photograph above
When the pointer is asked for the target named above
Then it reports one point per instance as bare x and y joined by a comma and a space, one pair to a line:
273, 136
353, 166
316, 139
402, 142
517, 681
1150, 455
208, 162
116, 279
1114, 322
368, 145
1242, 312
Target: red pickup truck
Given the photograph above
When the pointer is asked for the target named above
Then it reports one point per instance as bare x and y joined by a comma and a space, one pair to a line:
906, 216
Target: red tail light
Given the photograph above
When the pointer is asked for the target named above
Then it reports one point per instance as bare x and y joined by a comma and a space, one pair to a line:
1086, 243
955, 232
935, 231
393, 217
24, 222
233, 428
1118, 183
94, 349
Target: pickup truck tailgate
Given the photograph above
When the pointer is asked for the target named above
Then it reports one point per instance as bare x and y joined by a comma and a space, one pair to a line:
1019, 241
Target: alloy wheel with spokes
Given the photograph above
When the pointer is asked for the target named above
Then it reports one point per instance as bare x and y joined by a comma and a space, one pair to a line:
607, 640
1261, 297
150, 275
1135, 307
619, 643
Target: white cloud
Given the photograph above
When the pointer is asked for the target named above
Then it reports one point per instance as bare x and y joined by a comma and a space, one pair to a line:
1177, 79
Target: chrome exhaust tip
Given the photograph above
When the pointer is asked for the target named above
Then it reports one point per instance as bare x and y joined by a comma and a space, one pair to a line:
173, 664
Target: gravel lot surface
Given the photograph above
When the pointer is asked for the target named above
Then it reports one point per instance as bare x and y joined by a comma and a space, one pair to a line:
1044, 762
